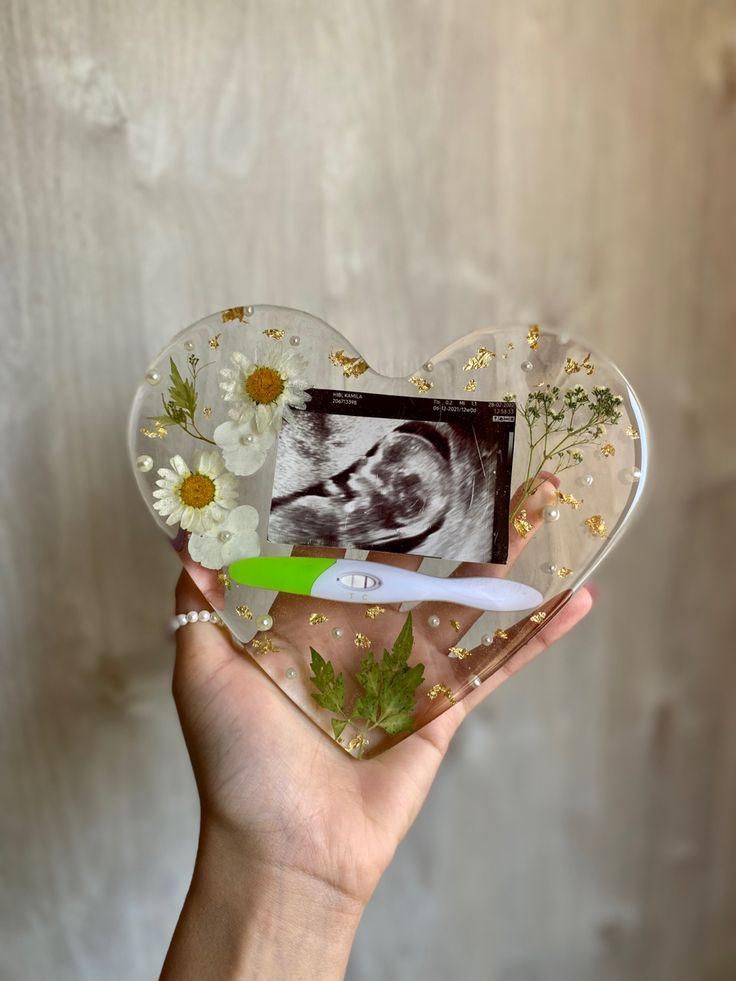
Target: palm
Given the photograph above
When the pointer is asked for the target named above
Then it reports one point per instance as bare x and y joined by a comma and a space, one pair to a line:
267, 773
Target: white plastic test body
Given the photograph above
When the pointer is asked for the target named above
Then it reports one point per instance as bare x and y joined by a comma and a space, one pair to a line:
374, 582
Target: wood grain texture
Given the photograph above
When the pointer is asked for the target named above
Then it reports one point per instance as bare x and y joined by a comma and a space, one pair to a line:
408, 171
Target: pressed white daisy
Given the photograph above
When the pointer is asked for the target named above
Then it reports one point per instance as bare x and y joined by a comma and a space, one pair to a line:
197, 499
244, 449
261, 389
235, 538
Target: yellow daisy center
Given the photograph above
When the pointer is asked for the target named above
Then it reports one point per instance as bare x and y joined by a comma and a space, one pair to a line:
197, 491
264, 385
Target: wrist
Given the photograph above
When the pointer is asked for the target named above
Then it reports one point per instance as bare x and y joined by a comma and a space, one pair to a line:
247, 917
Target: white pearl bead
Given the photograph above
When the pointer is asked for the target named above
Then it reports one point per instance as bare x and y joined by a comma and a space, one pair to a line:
189, 345
587, 480
192, 616
474, 681
428, 366
181, 619
264, 622
144, 463
337, 632
247, 439
486, 640
248, 311
204, 615
551, 514
153, 377
550, 567
225, 536
434, 620
291, 672
294, 340
527, 366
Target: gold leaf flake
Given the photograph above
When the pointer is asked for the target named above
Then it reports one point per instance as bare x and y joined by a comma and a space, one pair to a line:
471, 386
569, 499
422, 385
436, 690
563, 572
207, 411
265, 646
522, 526
510, 346
504, 356
234, 313
597, 525
608, 450
455, 624
632, 433
532, 337
357, 742
224, 580
244, 612
572, 366
362, 641
160, 432
214, 342
480, 360
351, 367
374, 611
538, 617
315, 618
275, 333
459, 652
501, 634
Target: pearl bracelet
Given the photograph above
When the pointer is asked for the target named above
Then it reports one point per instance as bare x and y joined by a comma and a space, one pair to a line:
203, 616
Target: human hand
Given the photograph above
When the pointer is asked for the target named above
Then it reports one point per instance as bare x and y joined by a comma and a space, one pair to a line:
295, 833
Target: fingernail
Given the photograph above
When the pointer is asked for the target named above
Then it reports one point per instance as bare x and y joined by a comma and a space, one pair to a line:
594, 589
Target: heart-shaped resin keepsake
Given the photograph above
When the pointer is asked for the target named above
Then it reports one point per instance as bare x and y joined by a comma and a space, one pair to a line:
380, 546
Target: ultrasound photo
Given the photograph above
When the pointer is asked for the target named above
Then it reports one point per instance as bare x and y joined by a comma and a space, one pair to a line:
395, 474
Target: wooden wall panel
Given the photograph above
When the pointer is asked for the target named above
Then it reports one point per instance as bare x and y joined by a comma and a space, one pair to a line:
409, 171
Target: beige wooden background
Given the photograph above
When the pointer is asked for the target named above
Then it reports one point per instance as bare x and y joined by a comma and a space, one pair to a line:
409, 170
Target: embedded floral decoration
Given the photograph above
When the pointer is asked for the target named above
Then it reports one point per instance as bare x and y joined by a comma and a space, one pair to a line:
234, 538
260, 390
198, 499
244, 449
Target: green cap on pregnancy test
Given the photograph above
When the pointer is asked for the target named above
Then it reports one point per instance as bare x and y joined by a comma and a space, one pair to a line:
281, 573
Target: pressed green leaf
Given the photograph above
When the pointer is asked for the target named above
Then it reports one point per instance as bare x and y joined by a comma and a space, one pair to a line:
338, 727
330, 686
182, 391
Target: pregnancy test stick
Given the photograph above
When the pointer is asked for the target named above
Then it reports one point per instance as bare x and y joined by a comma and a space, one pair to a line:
373, 582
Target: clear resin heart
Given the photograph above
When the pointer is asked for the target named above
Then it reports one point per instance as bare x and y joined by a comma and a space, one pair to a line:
381, 546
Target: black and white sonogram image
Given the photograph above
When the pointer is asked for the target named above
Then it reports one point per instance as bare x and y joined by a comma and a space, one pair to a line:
395, 474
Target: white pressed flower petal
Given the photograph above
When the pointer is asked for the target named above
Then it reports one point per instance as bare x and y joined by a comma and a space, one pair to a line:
244, 546
207, 550
166, 474
244, 460
162, 492
241, 361
180, 466
228, 434
242, 519
166, 506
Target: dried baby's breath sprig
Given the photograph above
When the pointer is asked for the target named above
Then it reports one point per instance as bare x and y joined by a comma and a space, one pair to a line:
559, 423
